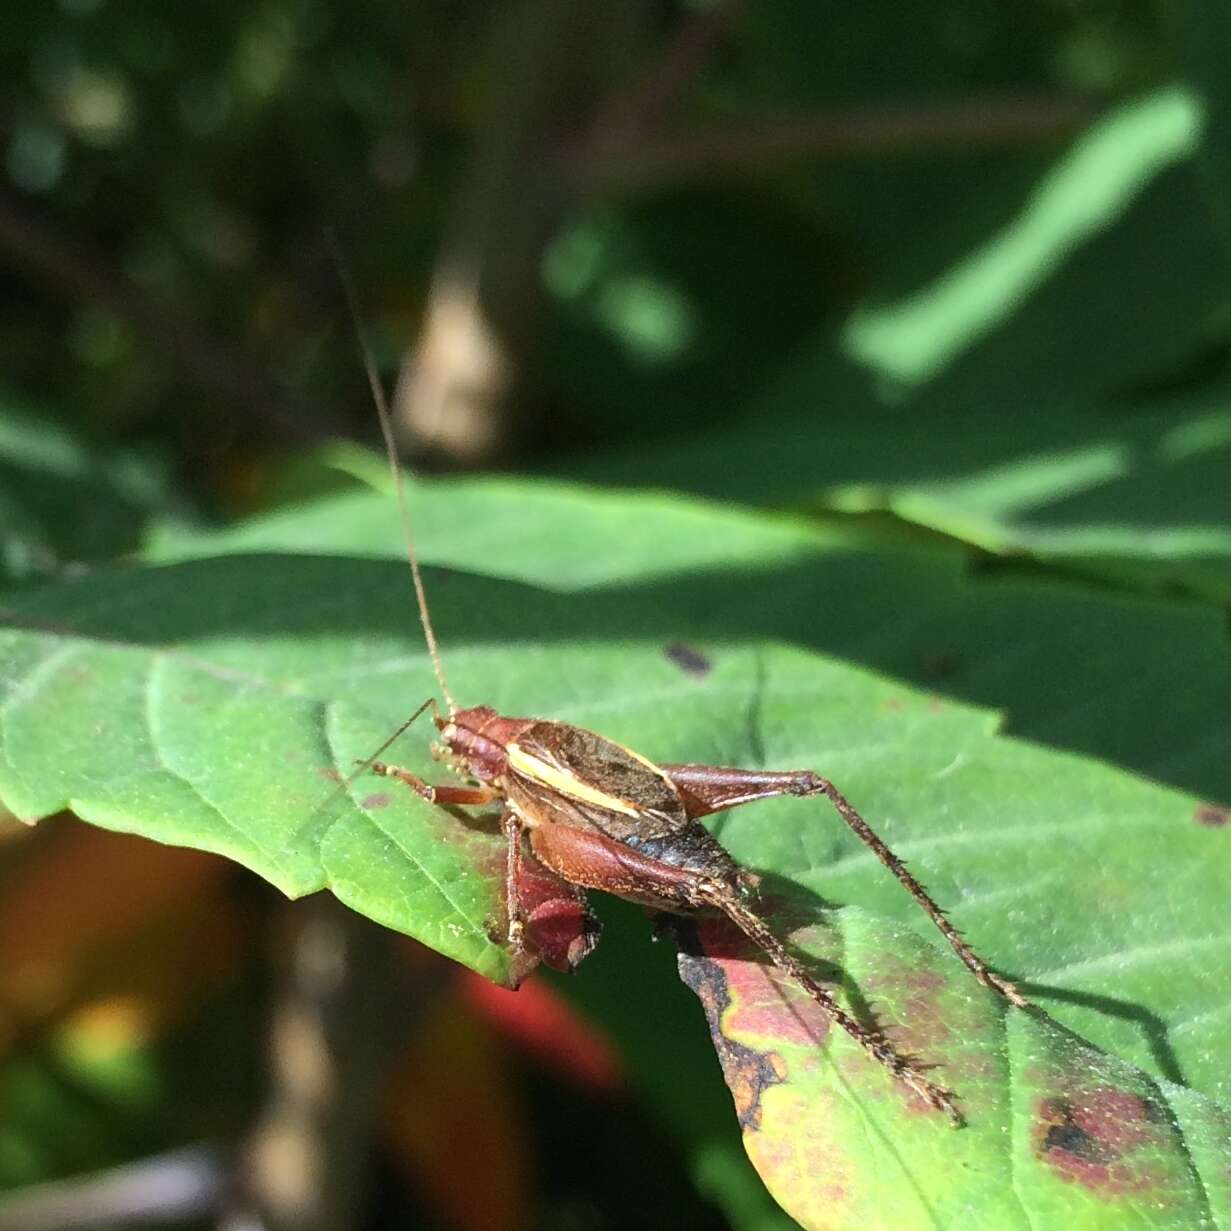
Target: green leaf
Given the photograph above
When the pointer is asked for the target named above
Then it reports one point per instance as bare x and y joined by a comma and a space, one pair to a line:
509, 528
1010, 398
1119, 171
215, 702
1135, 494
1057, 1133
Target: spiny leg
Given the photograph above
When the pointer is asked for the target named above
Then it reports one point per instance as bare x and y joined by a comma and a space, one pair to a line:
707, 789
588, 858
874, 1043
516, 929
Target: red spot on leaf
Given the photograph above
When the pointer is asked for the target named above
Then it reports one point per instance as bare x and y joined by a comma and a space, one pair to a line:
814, 1178
763, 1001
1091, 1139
919, 1023
748, 1072
1212, 815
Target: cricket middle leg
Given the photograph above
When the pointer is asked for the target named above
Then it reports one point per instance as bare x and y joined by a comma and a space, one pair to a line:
458, 795
711, 788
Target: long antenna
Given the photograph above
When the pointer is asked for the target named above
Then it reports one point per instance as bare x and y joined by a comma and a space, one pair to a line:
399, 482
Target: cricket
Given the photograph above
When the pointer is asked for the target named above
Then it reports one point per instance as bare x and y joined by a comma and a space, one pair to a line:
580, 812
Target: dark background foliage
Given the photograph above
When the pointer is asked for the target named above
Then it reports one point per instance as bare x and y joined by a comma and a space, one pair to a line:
954, 274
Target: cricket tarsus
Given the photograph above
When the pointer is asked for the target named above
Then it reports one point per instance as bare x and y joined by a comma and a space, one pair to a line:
444, 795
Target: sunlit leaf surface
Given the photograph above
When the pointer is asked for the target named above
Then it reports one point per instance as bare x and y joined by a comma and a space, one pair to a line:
216, 703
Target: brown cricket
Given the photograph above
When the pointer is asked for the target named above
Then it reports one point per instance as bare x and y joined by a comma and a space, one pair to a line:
582, 812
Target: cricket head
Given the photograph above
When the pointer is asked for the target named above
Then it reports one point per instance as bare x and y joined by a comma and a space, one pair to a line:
476, 740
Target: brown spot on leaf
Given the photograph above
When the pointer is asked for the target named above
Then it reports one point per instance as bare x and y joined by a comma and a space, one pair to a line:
689, 660
378, 799
894, 705
329, 774
748, 1073
1212, 815
1091, 1139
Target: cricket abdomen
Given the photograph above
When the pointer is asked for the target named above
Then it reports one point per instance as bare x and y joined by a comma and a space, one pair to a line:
585, 857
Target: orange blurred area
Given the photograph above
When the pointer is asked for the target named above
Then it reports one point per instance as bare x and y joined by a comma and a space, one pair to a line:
110, 934
457, 1122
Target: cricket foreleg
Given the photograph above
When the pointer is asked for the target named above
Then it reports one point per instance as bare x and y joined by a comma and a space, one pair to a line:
463, 795
708, 788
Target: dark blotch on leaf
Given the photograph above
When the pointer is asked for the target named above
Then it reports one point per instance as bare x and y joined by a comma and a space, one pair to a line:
1091, 1141
380, 799
1069, 1138
690, 661
1212, 815
748, 1073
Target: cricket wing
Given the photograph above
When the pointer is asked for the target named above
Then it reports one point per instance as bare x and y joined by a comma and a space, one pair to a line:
561, 774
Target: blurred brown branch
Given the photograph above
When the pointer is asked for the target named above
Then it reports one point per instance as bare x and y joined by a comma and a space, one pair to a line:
340, 1008
965, 126
629, 115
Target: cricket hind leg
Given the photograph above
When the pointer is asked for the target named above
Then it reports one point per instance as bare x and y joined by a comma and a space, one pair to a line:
592, 859
872, 1041
706, 789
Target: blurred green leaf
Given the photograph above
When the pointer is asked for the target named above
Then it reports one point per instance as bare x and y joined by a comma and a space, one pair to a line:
1113, 176
1006, 400
1203, 30
1141, 495
559, 536
62, 502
